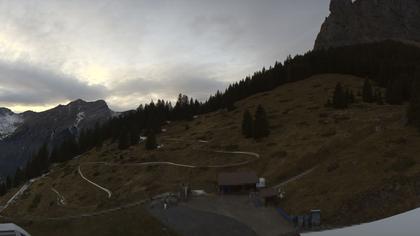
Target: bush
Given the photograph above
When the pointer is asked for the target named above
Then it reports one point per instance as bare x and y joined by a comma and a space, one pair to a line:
35, 201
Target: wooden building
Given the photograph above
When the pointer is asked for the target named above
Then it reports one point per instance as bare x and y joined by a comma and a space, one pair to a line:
269, 196
237, 182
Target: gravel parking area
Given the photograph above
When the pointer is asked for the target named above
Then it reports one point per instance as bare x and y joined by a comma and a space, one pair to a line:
265, 221
192, 222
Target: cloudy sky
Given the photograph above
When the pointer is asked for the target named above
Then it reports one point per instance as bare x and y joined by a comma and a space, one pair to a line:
131, 51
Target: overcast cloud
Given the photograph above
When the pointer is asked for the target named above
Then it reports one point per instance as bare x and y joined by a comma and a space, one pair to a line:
131, 51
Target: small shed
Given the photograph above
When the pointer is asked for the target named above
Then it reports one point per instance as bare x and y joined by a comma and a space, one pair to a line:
237, 182
315, 218
269, 196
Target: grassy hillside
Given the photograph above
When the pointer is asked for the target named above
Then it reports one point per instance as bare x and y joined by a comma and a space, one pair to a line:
362, 161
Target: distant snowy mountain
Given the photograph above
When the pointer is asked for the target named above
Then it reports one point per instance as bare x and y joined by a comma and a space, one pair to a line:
22, 134
9, 122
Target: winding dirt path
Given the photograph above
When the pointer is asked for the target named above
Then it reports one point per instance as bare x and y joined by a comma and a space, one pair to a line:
94, 184
61, 200
256, 156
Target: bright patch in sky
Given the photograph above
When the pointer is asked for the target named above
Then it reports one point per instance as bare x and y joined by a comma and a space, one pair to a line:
131, 51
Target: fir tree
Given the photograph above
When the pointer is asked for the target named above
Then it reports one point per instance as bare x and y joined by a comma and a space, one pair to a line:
134, 136
43, 159
350, 96
413, 111
19, 177
261, 126
339, 98
395, 92
367, 93
151, 143
3, 189
123, 142
8, 183
247, 124
378, 97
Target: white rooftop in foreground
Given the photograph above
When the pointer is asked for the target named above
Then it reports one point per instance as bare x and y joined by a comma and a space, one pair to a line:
405, 224
12, 227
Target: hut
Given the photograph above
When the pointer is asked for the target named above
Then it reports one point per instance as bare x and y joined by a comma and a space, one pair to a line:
315, 218
269, 196
237, 182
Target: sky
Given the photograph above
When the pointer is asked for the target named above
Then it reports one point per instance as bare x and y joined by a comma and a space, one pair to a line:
129, 52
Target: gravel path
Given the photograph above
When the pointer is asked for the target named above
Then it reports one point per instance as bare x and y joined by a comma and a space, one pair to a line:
191, 222
265, 221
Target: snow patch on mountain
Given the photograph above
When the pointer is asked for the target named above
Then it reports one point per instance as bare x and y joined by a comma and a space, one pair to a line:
79, 117
9, 122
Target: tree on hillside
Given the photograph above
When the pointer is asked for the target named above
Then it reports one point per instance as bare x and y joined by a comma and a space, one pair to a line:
367, 93
43, 159
378, 97
151, 143
8, 183
261, 126
350, 96
247, 124
340, 99
19, 177
54, 156
395, 92
123, 142
134, 136
413, 111
3, 189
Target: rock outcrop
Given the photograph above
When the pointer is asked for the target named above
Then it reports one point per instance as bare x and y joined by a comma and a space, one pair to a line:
22, 134
364, 21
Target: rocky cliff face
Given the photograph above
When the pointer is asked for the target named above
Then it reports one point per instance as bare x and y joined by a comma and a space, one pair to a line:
22, 134
363, 21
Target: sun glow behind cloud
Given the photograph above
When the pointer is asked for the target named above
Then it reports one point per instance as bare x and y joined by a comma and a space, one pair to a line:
130, 51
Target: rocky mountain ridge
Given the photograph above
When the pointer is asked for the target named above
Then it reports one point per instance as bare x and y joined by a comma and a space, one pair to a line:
22, 134
364, 21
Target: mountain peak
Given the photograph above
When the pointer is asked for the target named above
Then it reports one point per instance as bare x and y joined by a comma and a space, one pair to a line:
4, 110
367, 21
337, 6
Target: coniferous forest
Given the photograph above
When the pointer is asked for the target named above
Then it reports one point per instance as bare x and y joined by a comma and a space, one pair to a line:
391, 65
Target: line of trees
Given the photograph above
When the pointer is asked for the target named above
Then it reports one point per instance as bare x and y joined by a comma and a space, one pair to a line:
343, 97
255, 127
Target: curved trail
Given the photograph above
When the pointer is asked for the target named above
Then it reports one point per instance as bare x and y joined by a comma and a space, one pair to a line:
62, 202
167, 163
94, 184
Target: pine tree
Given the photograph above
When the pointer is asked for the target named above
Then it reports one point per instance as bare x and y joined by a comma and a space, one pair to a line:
3, 189
413, 111
151, 143
19, 177
134, 136
378, 97
261, 126
123, 142
367, 93
8, 183
247, 124
395, 92
350, 97
339, 98
43, 159
54, 156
